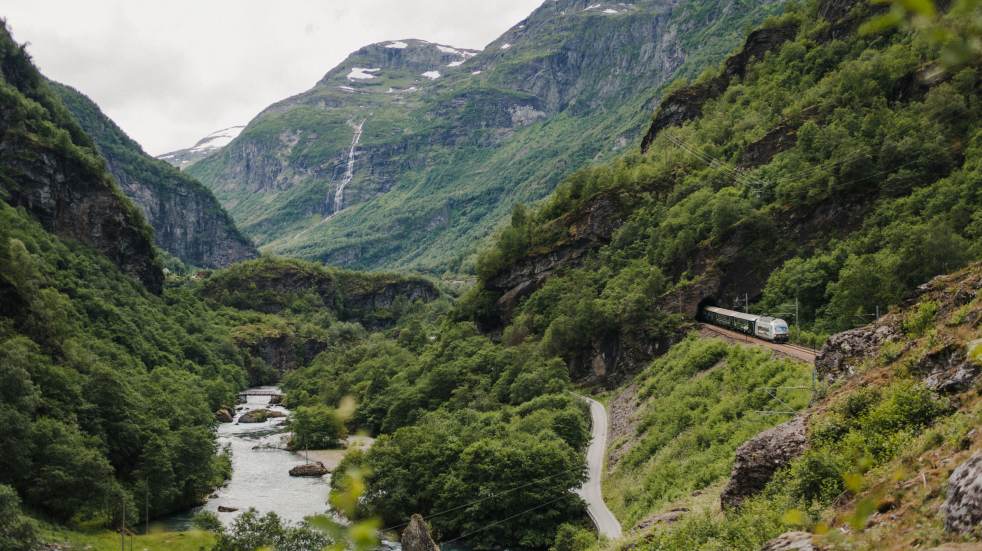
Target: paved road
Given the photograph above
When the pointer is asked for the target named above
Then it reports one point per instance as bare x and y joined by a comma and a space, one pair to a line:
794, 351
605, 521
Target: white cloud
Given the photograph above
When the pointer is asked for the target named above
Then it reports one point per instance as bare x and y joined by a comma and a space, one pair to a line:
170, 73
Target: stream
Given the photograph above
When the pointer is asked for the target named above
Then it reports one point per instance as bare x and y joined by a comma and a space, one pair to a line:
260, 472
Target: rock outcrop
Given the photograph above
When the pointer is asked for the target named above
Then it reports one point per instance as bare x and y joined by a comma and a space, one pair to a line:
315, 470
686, 103
791, 541
53, 171
843, 352
948, 368
188, 221
416, 536
223, 415
962, 508
760, 457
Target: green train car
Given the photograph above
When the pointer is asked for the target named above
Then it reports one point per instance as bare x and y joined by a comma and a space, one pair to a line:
764, 327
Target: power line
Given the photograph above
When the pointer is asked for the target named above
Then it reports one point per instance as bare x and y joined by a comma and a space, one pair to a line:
493, 524
483, 499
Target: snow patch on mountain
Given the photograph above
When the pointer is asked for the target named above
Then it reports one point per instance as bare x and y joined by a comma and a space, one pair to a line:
505, 46
455, 64
398, 45
218, 139
432, 75
362, 73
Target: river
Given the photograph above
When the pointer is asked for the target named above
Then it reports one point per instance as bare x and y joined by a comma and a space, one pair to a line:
260, 472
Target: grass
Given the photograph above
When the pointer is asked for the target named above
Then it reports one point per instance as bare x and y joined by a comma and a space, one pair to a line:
699, 402
104, 540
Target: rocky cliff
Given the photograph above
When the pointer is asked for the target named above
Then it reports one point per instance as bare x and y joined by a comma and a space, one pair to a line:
409, 153
188, 221
283, 286
53, 170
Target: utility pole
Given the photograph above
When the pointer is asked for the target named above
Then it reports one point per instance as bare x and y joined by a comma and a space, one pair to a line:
122, 526
146, 505
877, 311
797, 324
746, 302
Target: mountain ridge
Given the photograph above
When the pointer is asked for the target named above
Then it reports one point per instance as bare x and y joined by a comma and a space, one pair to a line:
188, 221
442, 160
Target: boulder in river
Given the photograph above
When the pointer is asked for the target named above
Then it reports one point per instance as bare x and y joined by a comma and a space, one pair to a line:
310, 469
416, 536
224, 509
260, 415
223, 416
760, 457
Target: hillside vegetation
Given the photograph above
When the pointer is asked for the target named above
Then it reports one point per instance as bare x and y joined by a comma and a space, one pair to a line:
837, 175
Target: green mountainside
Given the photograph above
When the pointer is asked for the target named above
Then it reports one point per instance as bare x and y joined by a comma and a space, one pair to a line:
838, 173
439, 162
187, 220
52, 169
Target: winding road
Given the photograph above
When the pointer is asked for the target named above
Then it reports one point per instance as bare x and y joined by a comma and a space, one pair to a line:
605, 521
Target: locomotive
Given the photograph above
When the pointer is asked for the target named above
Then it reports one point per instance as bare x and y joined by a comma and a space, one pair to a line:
765, 327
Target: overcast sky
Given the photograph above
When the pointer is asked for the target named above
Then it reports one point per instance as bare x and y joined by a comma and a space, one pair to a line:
170, 73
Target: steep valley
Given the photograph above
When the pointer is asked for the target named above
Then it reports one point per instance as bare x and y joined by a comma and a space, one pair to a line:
825, 168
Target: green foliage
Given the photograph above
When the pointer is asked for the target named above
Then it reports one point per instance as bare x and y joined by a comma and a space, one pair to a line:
459, 417
106, 387
17, 531
316, 427
846, 217
700, 401
570, 537
249, 532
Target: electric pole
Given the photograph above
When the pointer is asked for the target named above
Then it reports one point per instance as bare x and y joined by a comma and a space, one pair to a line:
122, 526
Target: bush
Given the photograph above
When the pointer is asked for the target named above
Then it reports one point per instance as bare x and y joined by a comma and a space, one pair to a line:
17, 531
316, 427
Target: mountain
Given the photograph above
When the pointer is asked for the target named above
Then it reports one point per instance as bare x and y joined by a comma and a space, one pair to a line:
53, 170
187, 220
183, 158
786, 181
408, 153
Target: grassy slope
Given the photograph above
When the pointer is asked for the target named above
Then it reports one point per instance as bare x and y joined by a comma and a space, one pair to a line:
881, 448
697, 404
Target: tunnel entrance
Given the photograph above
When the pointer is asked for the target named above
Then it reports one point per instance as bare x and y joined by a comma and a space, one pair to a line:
707, 301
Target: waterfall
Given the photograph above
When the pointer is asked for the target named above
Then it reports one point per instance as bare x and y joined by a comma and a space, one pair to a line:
349, 171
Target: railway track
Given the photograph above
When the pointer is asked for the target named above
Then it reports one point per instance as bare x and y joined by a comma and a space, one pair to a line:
796, 351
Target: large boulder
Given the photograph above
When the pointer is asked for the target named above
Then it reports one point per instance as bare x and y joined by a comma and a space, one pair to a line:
260, 415
223, 415
315, 469
791, 541
760, 457
416, 536
962, 508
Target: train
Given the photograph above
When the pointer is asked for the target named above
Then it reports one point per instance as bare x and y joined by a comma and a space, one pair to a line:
765, 327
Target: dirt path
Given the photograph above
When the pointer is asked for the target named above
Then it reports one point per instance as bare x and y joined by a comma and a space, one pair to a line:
793, 351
